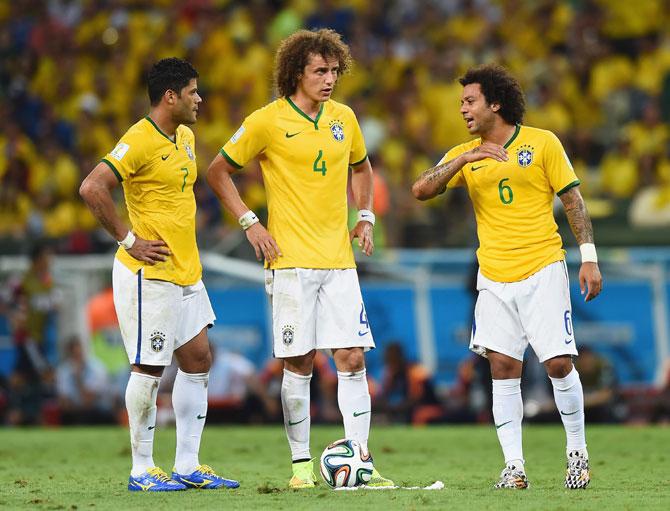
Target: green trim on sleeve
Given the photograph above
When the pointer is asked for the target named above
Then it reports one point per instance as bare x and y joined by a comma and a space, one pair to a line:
230, 160
566, 188
360, 161
111, 166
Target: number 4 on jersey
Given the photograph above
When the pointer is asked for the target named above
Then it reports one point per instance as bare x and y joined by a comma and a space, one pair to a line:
320, 168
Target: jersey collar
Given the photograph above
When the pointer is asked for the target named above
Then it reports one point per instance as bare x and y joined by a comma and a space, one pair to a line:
513, 137
161, 131
303, 114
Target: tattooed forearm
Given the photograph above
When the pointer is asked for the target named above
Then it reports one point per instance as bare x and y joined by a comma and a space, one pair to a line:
434, 180
578, 217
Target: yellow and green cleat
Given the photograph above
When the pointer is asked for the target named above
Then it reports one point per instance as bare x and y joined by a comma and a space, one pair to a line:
378, 481
303, 475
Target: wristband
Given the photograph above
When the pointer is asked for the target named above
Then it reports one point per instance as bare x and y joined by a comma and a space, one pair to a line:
128, 241
248, 219
588, 251
365, 215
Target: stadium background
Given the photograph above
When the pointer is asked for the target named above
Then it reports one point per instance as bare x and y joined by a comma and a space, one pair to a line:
595, 72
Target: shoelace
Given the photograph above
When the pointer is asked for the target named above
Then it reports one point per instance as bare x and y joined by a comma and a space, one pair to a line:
159, 474
206, 469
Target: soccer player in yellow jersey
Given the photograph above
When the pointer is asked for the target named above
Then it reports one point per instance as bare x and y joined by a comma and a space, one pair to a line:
512, 173
160, 300
306, 143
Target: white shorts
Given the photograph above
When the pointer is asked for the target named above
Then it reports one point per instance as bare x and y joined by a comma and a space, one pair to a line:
157, 317
316, 309
535, 311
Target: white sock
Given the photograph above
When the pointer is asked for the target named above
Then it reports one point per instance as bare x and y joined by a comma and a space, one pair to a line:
141, 405
569, 398
353, 397
507, 415
297, 421
189, 400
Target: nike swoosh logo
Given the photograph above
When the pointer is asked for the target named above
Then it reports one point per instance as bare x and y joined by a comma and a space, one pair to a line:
477, 168
361, 334
498, 426
294, 423
291, 135
571, 413
151, 427
567, 342
358, 414
165, 157
201, 416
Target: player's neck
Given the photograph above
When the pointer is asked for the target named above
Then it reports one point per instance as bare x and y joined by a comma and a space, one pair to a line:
308, 106
500, 134
164, 122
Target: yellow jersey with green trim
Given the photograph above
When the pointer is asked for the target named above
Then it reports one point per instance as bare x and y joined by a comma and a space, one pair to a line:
305, 164
157, 175
513, 203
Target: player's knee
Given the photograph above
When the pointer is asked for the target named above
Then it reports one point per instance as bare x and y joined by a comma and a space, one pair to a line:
352, 360
196, 361
558, 367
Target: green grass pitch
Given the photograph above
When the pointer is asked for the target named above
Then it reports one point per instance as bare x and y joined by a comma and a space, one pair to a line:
87, 468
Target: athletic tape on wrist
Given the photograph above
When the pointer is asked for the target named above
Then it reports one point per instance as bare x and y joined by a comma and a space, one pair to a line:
128, 241
588, 251
366, 215
248, 219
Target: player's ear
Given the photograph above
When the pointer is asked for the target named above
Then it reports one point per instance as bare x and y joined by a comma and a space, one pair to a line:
169, 96
495, 107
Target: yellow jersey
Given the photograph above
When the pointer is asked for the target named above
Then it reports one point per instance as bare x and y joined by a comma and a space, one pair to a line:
513, 203
305, 164
157, 175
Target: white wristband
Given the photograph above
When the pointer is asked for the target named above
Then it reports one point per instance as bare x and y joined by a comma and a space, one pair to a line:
128, 241
588, 251
248, 219
365, 215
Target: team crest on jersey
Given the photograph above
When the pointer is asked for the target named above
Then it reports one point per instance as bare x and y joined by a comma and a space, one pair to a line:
337, 129
287, 334
524, 155
157, 341
189, 152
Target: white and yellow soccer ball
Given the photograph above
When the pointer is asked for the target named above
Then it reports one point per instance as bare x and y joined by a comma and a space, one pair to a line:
343, 464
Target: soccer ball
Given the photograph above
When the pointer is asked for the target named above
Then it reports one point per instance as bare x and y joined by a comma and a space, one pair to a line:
343, 464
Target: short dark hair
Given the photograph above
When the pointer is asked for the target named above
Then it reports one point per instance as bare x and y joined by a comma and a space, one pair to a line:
498, 86
294, 51
168, 74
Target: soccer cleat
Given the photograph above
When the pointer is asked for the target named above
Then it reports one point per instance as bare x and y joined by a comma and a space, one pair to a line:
154, 479
204, 478
577, 475
512, 477
303, 475
378, 481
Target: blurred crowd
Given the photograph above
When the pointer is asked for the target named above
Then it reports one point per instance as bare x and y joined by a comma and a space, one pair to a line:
597, 72
82, 381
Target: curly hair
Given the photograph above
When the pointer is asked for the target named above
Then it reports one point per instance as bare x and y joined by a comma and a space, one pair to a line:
293, 55
498, 86
168, 74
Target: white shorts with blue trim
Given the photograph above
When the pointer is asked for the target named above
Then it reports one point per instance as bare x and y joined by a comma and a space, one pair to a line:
316, 309
511, 315
157, 317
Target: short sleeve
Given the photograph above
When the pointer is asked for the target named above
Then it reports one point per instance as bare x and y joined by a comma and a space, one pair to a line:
247, 142
358, 152
127, 157
458, 179
557, 166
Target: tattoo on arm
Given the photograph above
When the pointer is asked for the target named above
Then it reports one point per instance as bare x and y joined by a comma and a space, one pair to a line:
439, 175
578, 217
